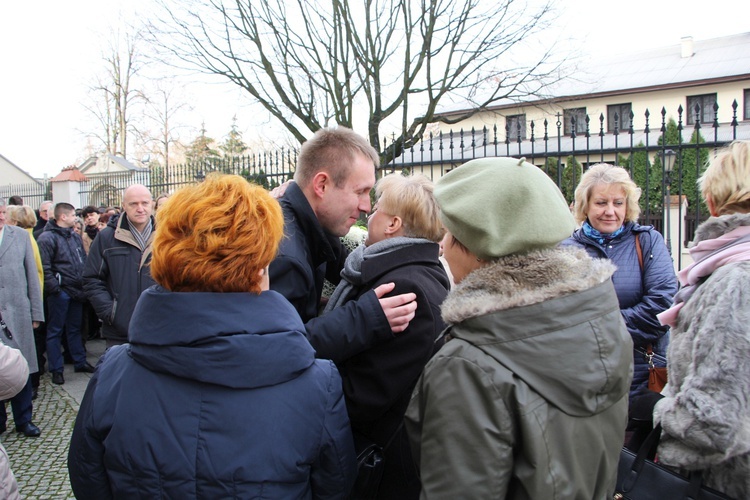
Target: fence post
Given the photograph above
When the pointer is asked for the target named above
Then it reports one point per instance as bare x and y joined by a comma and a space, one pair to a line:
677, 206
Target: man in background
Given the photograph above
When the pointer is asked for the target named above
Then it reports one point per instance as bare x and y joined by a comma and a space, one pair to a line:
118, 267
62, 260
44, 209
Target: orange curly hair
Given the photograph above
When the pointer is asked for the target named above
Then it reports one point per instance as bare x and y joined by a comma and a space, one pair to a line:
216, 236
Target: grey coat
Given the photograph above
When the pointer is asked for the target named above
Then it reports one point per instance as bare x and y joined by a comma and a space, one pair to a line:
705, 414
529, 397
20, 293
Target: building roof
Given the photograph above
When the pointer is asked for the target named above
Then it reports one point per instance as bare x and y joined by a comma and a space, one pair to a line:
687, 62
719, 59
5, 163
70, 173
103, 165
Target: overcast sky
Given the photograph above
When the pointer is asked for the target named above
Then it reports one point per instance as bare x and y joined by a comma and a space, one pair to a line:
50, 50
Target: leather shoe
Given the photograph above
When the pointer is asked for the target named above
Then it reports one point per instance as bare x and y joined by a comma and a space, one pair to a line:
87, 368
57, 378
3, 428
34, 394
29, 430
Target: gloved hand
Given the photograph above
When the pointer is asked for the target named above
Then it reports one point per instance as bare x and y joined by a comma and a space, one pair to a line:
642, 406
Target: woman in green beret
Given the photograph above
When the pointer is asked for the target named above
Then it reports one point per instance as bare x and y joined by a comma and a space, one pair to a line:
528, 396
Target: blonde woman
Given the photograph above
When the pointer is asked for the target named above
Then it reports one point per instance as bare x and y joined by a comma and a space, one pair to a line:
401, 247
704, 412
24, 217
606, 206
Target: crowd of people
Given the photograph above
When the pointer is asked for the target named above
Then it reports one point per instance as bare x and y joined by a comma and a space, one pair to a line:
486, 340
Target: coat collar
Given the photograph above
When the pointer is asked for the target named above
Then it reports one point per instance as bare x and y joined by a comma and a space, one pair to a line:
522, 280
8, 239
318, 239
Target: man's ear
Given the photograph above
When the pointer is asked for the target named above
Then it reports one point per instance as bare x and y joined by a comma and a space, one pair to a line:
394, 225
320, 183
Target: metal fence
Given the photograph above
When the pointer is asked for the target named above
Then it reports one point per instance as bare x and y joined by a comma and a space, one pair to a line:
563, 157
33, 194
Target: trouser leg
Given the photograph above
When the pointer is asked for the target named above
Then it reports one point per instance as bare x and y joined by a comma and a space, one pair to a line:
22, 405
73, 331
58, 313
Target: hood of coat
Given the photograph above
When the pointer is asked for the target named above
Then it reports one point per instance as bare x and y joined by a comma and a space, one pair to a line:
238, 340
553, 319
715, 227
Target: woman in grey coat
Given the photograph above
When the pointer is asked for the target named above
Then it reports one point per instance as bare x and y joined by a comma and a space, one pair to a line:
704, 412
21, 309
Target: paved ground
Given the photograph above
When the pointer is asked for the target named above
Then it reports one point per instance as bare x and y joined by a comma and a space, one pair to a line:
40, 464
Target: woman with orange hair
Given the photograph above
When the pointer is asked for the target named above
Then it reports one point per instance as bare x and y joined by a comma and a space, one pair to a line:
218, 394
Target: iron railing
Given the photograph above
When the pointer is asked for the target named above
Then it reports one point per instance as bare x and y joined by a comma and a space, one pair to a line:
563, 157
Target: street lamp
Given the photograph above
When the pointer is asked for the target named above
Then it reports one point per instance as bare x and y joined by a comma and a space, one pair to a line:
668, 158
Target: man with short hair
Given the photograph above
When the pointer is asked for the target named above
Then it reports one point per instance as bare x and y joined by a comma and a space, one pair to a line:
41, 222
334, 176
118, 267
62, 259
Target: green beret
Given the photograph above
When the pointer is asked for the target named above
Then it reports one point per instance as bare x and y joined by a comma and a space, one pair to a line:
503, 206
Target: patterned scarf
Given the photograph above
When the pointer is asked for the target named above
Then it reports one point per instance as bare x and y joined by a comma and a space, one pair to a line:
141, 236
351, 275
595, 235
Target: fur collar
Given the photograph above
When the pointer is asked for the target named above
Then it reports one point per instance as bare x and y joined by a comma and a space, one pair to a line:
718, 226
522, 280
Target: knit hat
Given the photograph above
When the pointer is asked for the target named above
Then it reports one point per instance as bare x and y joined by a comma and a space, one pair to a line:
503, 206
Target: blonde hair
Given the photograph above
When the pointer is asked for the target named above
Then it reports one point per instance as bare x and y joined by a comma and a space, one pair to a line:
606, 174
216, 236
727, 179
412, 199
22, 215
332, 150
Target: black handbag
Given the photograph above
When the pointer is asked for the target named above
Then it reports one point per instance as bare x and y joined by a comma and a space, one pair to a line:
370, 466
639, 478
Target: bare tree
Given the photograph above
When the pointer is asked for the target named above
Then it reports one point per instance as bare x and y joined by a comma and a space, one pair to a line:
313, 64
163, 107
114, 93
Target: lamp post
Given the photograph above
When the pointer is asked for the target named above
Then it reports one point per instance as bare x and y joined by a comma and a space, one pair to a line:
668, 158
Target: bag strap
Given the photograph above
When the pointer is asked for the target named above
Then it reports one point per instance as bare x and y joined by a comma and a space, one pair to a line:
639, 250
647, 449
395, 433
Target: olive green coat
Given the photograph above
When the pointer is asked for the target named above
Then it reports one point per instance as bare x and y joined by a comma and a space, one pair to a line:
528, 399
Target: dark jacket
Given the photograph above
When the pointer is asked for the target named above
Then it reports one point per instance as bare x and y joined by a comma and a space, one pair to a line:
39, 227
529, 398
115, 274
218, 395
642, 295
378, 382
63, 257
307, 255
